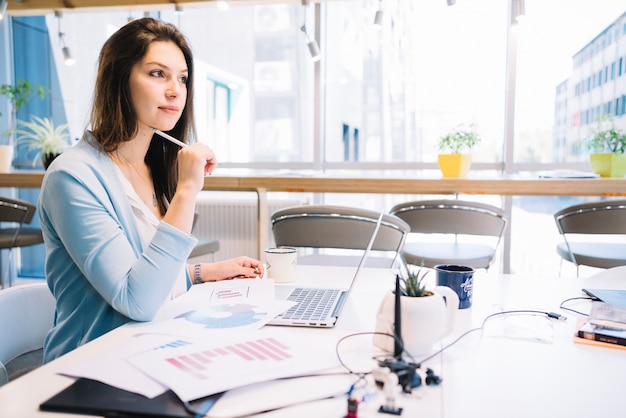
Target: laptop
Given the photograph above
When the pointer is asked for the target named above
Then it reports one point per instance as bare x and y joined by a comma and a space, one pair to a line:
610, 296
319, 306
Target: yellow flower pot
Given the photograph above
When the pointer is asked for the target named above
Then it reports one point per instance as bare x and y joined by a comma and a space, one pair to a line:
608, 164
454, 165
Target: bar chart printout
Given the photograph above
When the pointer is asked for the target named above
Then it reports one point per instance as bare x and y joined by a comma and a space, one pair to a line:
201, 369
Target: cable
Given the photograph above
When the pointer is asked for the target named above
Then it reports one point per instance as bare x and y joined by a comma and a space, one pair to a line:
361, 375
345, 366
488, 317
561, 306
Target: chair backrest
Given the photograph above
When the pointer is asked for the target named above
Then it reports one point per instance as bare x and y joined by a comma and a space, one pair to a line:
16, 210
26, 316
447, 216
342, 227
602, 217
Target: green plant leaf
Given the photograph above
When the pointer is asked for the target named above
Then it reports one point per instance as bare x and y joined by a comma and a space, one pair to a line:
412, 282
41, 134
605, 137
462, 138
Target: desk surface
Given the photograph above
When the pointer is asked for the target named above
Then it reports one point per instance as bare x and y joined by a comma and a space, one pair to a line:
326, 183
503, 372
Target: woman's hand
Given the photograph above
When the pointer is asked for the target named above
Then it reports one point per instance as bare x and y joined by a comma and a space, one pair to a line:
235, 268
194, 163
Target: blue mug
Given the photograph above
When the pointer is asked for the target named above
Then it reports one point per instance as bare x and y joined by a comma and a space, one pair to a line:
458, 278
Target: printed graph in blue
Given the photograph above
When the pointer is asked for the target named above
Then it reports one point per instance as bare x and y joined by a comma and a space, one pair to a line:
225, 316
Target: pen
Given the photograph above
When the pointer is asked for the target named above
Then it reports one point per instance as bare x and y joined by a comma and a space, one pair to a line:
168, 137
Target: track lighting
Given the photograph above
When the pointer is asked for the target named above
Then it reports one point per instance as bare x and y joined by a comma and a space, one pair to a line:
314, 48
69, 60
378, 18
67, 55
3, 8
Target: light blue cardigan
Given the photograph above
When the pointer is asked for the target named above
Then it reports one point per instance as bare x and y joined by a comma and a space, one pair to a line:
96, 266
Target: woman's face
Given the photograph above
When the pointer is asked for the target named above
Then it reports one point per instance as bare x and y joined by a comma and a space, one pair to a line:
158, 86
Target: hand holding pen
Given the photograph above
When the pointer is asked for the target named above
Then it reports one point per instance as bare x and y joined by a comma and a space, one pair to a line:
211, 161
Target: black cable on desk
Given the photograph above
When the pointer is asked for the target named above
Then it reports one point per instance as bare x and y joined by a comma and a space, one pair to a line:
493, 315
362, 375
562, 306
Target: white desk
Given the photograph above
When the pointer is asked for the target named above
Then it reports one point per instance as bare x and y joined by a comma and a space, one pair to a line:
483, 376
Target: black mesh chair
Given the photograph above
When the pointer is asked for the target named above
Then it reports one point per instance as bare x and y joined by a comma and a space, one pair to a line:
586, 229
324, 227
14, 215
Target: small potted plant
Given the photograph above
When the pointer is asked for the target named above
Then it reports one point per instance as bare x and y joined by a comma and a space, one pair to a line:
607, 145
426, 315
42, 136
413, 283
454, 158
18, 95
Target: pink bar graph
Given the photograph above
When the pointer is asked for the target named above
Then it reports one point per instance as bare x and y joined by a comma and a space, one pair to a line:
262, 349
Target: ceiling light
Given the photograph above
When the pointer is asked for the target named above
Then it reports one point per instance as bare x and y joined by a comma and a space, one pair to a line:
3, 8
314, 48
69, 60
378, 18
67, 55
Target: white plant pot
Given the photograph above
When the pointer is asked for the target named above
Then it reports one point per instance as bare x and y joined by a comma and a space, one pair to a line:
6, 158
425, 320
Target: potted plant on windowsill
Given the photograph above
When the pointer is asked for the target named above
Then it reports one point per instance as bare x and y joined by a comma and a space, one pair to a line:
607, 145
18, 95
42, 136
454, 159
427, 315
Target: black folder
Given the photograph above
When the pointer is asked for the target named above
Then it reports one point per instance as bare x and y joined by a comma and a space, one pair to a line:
90, 397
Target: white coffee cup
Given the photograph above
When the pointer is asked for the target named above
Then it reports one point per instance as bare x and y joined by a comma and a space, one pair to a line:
281, 263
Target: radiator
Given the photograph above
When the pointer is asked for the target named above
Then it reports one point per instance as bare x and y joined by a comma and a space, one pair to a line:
233, 222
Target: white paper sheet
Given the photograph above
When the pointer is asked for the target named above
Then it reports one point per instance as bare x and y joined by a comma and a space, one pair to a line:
207, 312
199, 370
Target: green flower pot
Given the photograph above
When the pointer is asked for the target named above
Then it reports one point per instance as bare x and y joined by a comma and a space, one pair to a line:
608, 164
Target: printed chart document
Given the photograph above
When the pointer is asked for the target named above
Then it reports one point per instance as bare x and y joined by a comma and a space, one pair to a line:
228, 306
196, 370
209, 312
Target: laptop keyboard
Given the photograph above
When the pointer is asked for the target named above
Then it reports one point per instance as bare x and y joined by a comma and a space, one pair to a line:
313, 304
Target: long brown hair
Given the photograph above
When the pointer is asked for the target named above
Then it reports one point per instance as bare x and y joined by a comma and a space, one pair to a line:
114, 120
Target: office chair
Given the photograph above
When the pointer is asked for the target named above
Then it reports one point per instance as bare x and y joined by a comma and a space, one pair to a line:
205, 245
324, 227
20, 212
26, 315
455, 221
594, 219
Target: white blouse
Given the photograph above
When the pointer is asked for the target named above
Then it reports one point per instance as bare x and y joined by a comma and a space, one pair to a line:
147, 224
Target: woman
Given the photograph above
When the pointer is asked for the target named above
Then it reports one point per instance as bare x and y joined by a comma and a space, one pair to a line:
117, 209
